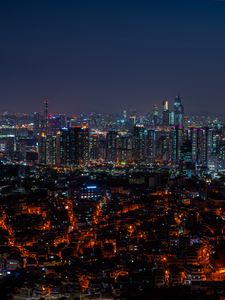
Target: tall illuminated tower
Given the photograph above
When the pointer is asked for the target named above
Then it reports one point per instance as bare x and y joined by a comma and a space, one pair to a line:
178, 109
42, 139
46, 115
155, 115
166, 113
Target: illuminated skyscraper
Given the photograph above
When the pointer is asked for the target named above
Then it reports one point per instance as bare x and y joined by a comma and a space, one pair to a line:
111, 142
177, 140
52, 149
46, 116
42, 138
65, 157
143, 143
42, 148
202, 146
93, 145
201, 143
186, 152
119, 146
155, 115
178, 111
166, 113
74, 145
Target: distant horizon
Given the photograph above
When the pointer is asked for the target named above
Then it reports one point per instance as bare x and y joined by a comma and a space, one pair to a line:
51, 111
40, 108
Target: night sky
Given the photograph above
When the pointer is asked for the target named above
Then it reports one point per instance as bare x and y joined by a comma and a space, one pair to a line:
106, 56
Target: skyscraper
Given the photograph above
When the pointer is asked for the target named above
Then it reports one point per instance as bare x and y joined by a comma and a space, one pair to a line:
93, 145
37, 122
178, 111
162, 145
74, 145
186, 152
177, 140
42, 138
143, 143
52, 149
45, 121
155, 115
166, 113
79, 138
42, 148
65, 158
111, 145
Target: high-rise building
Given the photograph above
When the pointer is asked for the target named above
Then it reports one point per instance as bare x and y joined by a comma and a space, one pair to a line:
186, 152
221, 157
44, 117
94, 145
37, 122
166, 113
143, 143
42, 148
111, 145
132, 117
191, 134
80, 144
74, 145
202, 146
42, 137
119, 146
53, 149
125, 147
177, 140
64, 152
178, 110
162, 145
155, 115
186, 163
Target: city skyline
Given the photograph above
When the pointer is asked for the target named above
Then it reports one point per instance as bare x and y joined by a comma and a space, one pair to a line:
159, 105
112, 150
106, 57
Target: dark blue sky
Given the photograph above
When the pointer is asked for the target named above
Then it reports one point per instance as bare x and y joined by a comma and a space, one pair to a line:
109, 55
